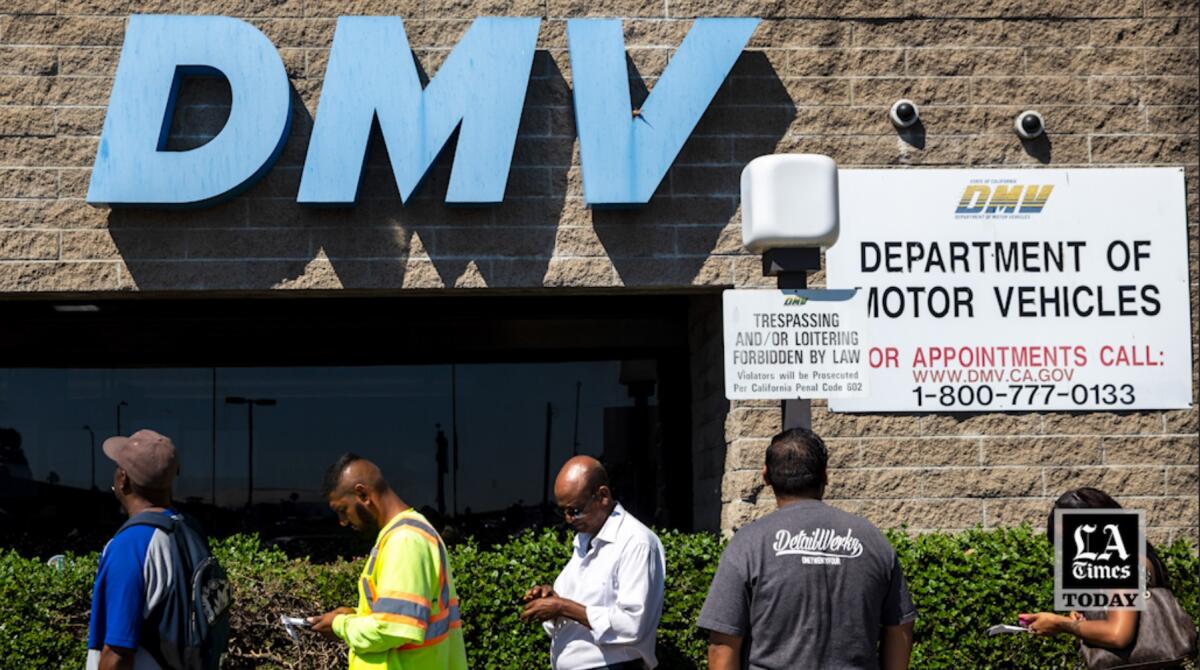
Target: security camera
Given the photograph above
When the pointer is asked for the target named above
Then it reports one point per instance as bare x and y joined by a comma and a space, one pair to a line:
1029, 125
904, 113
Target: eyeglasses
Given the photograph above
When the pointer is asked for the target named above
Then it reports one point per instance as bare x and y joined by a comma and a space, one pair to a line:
573, 512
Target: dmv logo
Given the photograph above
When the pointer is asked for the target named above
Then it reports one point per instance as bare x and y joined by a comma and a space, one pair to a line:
479, 91
1004, 199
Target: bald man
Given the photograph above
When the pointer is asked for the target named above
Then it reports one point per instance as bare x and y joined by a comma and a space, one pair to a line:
603, 609
407, 614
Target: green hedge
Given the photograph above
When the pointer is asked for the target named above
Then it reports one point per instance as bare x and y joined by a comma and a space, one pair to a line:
962, 583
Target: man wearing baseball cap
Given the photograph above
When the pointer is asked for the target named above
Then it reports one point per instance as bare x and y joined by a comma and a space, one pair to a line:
135, 571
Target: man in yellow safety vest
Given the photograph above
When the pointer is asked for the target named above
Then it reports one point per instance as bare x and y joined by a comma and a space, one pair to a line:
407, 614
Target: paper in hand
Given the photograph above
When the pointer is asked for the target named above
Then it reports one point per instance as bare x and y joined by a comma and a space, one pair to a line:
292, 623
1004, 628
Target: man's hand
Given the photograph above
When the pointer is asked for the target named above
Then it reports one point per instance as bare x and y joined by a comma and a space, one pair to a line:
323, 624
538, 592
551, 606
542, 608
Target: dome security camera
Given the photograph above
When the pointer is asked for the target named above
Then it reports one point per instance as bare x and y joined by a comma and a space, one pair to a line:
1029, 125
904, 113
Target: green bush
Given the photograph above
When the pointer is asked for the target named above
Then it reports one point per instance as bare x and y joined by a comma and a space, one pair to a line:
962, 583
44, 612
490, 582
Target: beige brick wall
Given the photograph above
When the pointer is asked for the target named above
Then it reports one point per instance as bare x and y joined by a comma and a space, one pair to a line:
956, 471
1117, 81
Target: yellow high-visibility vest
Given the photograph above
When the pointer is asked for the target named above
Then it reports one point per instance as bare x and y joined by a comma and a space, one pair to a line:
407, 616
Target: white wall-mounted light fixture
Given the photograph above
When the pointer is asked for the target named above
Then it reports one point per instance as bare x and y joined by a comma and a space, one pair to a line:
790, 211
789, 201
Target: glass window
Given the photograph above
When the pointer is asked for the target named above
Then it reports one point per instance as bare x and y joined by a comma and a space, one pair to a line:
478, 442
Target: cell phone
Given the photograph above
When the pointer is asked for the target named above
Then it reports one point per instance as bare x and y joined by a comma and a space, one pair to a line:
1004, 628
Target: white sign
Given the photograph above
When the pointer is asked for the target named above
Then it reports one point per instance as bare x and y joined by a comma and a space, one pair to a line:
1019, 290
788, 344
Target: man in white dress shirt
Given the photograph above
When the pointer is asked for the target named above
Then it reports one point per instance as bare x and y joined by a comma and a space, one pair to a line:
603, 609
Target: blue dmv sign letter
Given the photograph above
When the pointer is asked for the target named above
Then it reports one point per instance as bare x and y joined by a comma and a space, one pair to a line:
481, 87
478, 91
625, 157
132, 167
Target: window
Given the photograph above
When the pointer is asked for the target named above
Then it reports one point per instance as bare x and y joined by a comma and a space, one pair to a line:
254, 442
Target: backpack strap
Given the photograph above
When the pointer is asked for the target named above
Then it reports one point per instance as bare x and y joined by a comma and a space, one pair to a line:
155, 519
151, 636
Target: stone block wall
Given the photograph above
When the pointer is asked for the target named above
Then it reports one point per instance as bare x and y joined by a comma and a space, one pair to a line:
1116, 81
948, 471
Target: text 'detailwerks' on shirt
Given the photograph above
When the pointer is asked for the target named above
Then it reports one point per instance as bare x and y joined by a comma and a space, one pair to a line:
808, 586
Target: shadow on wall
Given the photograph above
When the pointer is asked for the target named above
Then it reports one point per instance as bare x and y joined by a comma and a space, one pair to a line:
1039, 148
699, 196
263, 239
914, 135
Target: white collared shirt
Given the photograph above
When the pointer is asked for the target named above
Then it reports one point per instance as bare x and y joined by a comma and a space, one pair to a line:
620, 583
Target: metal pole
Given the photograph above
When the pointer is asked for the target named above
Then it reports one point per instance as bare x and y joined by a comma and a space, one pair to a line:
454, 432
119, 406
213, 479
440, 458
790, 267
250, 456
92, 453
250, 403
575, 435
796, 413
546, 461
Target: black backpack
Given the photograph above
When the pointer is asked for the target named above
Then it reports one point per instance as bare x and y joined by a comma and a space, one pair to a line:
189, 629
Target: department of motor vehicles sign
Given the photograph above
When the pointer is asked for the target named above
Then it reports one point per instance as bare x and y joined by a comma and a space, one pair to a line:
789, 344
1018, 290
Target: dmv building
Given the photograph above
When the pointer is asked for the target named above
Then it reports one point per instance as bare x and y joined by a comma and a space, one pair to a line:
470, 241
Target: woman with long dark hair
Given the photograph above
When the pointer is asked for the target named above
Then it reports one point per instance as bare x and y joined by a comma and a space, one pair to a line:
1114, 629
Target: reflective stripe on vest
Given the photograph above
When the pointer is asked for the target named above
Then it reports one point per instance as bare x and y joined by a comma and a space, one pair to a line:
410, 608
447, 620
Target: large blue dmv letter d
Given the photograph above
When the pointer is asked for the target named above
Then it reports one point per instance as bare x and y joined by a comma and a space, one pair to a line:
132, 167
480, 89
625, 157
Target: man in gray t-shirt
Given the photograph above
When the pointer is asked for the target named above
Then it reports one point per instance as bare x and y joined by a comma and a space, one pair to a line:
807, 586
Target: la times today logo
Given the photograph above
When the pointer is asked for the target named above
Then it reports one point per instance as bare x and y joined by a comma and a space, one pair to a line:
1098, 559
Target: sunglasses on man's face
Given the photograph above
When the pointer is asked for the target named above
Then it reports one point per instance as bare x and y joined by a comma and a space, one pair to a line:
573, 512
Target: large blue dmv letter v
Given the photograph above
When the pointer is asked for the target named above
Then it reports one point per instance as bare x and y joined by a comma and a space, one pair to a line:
132, 166
480, 89
625, 157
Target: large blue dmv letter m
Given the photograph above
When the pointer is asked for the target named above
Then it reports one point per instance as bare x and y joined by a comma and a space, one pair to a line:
479, 89
132, 166
626, 157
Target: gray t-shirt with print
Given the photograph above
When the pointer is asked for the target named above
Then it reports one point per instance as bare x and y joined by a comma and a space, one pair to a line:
808, 586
